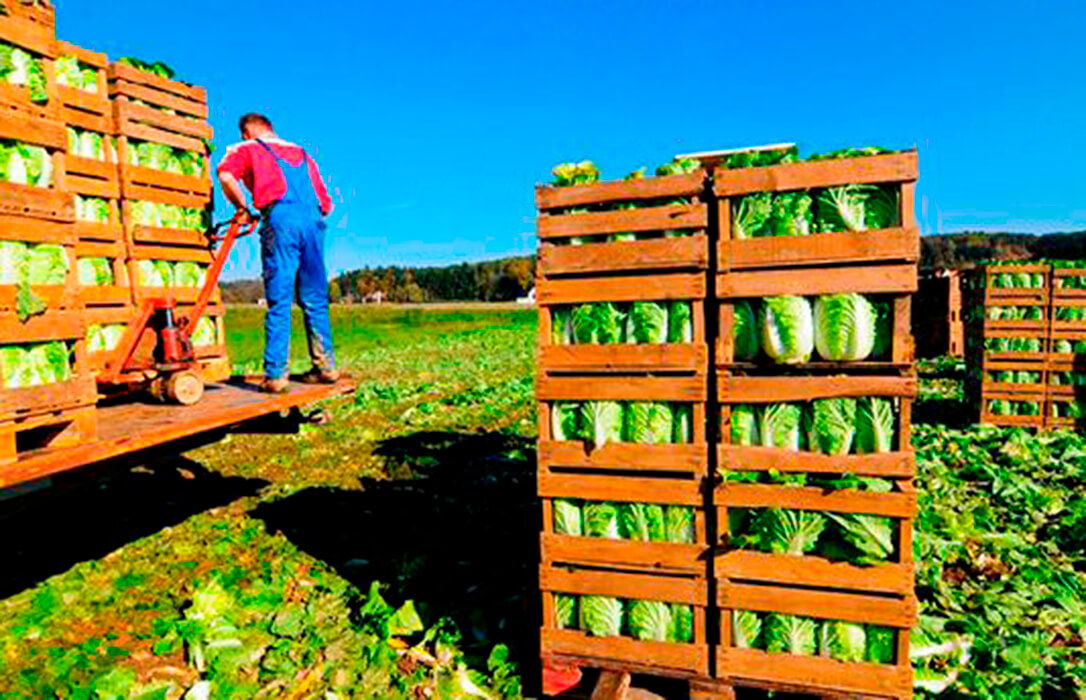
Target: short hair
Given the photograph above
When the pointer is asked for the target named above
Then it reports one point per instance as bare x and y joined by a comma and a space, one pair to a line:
253, 118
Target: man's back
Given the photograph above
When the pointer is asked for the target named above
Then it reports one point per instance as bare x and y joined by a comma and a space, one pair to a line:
255, 166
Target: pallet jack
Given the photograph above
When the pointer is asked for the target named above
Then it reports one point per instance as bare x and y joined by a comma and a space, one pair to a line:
156, 353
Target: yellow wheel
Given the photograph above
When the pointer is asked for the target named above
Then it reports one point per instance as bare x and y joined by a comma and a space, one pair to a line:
185, 388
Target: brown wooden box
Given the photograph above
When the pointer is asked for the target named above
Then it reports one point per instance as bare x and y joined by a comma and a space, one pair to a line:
79, 107
25, 31
51, 203
33, 231
623, 357
53, 325
112, 232
1059, 291
93, 178
185, 127
29, 19
140, 235
623, 653
1030, 295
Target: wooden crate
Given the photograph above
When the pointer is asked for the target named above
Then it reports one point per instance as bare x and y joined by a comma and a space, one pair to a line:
188, 295
92, 178
119, 294
623, 357
213, 360
670, 659
901, 353
185, 126
29, 31
937, 316
29, 436
889, 246
31, 20
79, 107
139, 234
690, 458
216, 370
1059, 275
688, 252
50, 203
32, 232
985, 278
69, 326
111, 232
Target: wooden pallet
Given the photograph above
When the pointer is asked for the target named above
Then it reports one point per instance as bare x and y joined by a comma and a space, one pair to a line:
623, 357
32, 231
69, 326
79, 106
45, 431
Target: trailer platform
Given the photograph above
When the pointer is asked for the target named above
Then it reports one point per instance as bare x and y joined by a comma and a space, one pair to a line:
135, 426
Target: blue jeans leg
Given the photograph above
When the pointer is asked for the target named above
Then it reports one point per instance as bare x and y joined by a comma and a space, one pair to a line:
281, 255
313, 297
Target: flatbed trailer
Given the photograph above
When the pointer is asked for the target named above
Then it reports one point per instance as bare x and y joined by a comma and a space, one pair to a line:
135, 426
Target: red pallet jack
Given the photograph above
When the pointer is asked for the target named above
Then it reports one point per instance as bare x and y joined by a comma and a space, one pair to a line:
156, 353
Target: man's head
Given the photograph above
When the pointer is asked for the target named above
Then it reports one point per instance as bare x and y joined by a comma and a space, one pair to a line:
254, 126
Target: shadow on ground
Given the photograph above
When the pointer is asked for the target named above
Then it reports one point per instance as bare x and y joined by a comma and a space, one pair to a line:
454, 527
47, 528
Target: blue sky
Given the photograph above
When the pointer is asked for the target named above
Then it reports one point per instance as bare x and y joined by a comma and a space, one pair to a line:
433, 120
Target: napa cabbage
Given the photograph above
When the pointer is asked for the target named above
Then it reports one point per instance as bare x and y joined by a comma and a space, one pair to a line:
790, 634
832, 426
787, 325
744, 425
779, 425
750, 216
565, 421
206, 333
601, 520
601, 616
790, 532
843, 641
643, 522
875, 423
602, 422
790, 214
565, 611
95, 272
747, 630
649, 423
650, 620
567, 517
745, 331
648, 322
845, 326
680, 322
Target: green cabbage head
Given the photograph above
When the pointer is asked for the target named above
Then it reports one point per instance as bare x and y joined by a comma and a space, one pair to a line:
845, 327
787, 329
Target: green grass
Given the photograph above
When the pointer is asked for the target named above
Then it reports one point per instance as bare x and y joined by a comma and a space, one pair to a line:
435, 444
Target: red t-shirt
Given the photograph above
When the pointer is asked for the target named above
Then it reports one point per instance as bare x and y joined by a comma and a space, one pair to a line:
258, 170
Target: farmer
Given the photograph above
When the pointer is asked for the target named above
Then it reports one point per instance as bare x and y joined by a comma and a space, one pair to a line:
286, 187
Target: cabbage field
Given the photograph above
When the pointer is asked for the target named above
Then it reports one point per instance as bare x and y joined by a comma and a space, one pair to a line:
248, 566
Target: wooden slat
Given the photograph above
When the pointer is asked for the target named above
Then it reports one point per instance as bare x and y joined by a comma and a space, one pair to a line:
133, 77
685, 252
32, 36
812, 672
814, 571
188, 121
636, 586
663, 458
17, 228
892, 505
664, 287
735, 389
132, 129
824, 605
155, 194
171, 253
624, 489
886, 465
36, 202
689, 185
874, 279
595, 551
168, 236
48, 133
888, 245
65, 325
151, 178
688, 357
621, 388
83, 119
896, 167
76, 100
679, 216
86, 230
692, 658
89, 167
92, 187
94, 59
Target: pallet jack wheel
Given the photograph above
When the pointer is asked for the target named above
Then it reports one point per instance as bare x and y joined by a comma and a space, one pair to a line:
185, 388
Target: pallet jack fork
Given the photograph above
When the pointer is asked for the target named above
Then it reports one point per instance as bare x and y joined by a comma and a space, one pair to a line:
156, 352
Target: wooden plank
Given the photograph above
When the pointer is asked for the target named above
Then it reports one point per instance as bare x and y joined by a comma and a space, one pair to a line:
188, 118
64, 325
17, 228
40, 132
33, 401
132, 129
814, 571
688, 185
636, 586
812, 672
685, 252
92, 187
169, 236
89, 167
171, 253
131, 427
824, 605
742, 389
87, 230
663, 458
67, 428
155, 194
151, 178
133, 77
624, 489
74, 100
691, 658
666, 218
94, 59
663, 287
892, 505
671, 357
621, 388
887, 465
888, 245
28, 33
874, 279
36, 202
595, 551
896, 167
78, 115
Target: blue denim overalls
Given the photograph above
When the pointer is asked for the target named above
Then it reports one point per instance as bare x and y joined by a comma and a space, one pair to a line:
292, 244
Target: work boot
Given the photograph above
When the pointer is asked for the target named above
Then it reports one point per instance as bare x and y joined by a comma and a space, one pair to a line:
320, 376
275, 386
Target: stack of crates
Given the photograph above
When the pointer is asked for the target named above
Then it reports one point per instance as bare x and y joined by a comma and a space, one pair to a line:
165, 184
1008, 319
623, 452
47, 393
94, 181
770, 468
1065, 405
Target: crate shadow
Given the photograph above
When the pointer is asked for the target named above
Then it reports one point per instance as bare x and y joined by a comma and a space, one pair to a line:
454, 527
47, 528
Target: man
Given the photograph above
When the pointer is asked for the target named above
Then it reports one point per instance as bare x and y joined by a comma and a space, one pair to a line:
286, 187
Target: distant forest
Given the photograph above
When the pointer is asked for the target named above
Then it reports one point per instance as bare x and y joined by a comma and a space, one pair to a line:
511, 278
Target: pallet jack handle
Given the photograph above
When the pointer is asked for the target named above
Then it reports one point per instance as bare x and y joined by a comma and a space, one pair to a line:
243, 223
